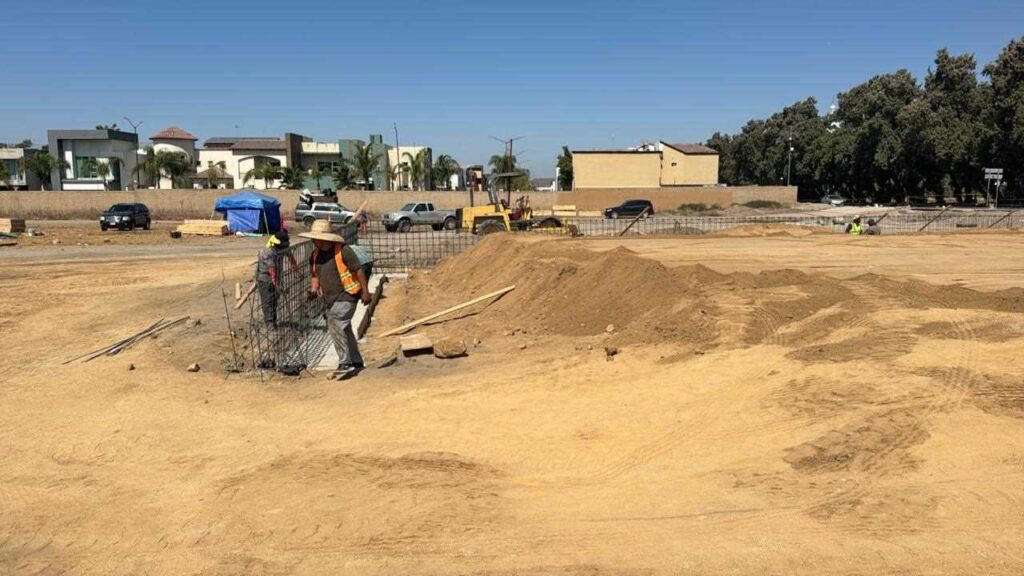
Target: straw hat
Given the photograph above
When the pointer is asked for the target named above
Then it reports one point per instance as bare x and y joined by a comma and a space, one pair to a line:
321, 230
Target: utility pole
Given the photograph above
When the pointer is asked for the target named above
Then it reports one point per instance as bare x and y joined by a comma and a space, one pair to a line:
398, 159
135, 128
789, 159
508, 161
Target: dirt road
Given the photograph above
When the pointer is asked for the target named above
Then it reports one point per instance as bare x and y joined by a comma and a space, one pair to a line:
760, 417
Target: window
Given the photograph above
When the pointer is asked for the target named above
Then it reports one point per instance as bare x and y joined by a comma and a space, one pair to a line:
13, 168
85, 167
326, 167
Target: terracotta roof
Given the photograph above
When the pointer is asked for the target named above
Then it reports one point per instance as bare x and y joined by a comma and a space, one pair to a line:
268, 144
692, 148
218, 173
172, 133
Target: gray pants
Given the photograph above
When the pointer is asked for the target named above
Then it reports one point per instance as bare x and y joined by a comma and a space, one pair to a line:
339, 325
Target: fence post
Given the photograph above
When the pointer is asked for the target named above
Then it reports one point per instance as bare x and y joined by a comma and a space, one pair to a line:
929, 223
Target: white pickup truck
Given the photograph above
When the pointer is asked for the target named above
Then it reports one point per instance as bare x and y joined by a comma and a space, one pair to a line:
418, 214
330, 211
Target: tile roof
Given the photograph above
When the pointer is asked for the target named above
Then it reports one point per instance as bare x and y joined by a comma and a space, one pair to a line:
259, 144
692, 148
172, 133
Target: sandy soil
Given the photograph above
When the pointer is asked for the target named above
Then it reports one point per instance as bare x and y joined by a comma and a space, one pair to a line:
773, 410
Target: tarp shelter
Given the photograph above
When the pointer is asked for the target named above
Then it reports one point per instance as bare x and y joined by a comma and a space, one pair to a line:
250, 211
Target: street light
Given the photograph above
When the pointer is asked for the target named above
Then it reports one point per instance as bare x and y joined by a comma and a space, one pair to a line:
135, 128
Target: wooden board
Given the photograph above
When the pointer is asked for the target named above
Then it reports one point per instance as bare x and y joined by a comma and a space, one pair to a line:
456, 308
415, 343
216, 228
12, 225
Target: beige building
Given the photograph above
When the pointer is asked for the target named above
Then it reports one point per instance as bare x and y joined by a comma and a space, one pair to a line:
650, 166
174, 139
402, 156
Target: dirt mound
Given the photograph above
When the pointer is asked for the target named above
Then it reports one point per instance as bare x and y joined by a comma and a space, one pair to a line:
568, 290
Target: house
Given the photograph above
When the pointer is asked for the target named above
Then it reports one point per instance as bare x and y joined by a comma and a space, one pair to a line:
543, 184
174, 139
17, 177
83, 150
653, 165
403, 155
239, 156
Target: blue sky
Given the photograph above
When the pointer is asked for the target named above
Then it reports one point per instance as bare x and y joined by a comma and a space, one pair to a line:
588, 74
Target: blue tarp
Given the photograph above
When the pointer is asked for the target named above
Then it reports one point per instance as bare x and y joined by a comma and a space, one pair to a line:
250, 211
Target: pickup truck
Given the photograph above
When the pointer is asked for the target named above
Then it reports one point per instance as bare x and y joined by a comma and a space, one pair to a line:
332, 212
418, 214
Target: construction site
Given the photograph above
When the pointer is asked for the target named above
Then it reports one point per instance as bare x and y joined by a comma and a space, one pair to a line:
745, 398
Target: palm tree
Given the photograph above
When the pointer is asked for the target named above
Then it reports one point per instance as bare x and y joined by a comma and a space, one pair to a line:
107, 126
292, 178
214, 173
89, 167
42, 165
314, 173
396, 175
5, 174
149, 167
565, 169
365, 162
417, 168
444, 169
268, 172
173, 165
502, 163
341, 177
103, 171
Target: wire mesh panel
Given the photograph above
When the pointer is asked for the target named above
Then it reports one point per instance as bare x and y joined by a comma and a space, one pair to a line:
421, 247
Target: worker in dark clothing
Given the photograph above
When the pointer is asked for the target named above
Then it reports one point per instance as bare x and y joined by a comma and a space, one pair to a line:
338, 277
268, 274
873, 228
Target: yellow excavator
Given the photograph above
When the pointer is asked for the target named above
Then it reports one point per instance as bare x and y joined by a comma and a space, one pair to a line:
502, 215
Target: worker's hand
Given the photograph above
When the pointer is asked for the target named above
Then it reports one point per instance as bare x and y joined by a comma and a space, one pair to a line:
312, 295
366, 297
314, 285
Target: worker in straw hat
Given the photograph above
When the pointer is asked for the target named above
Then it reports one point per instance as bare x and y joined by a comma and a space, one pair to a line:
338, 277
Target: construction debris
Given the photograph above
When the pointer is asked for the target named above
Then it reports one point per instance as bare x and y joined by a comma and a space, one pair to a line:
8, 243
415, 343
204, 227
435, 316
387, 361
122, 345
12, 225
364, 324
193, 367
610, 351
449, 348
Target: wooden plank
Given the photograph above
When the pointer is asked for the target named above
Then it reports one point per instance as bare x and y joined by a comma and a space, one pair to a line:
364, 324
435, 316
415, 343
12, 225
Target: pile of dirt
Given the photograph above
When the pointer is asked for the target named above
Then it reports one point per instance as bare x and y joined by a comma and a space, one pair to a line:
568, 290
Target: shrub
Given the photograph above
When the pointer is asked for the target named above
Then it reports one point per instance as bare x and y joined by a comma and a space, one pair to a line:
763, 204
698, 208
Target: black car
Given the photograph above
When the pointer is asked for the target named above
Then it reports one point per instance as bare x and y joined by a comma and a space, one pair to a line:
630, 209
126, 217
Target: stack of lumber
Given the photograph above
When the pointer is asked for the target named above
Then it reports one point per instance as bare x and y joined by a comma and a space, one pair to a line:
204, 227
570, 210
12, 225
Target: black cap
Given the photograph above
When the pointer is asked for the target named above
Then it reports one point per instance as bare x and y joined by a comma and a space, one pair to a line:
282, 237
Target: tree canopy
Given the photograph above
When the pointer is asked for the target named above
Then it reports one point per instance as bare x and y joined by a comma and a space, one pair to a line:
893, 138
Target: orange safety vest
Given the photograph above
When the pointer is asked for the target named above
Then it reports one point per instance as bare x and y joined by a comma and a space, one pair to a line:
349, 283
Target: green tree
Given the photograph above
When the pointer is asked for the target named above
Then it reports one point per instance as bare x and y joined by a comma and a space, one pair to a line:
174, 166
341, 177
314, 174
266, 171
148, 167
564, 164
293, 178
417, 168
215, 172
443, 170
105, 169
42, 165
106, 126
1006, 77
396, 172
5, 174
365, 162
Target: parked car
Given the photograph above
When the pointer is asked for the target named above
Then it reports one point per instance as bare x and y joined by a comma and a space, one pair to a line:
833, 199
419, 214
126, 217
330, 211
630, 209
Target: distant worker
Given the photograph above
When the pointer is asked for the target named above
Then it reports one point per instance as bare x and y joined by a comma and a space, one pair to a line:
873, 228
268, 274
854, 228
339, 278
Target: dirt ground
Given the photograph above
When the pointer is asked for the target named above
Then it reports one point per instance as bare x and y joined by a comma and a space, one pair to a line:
778, 405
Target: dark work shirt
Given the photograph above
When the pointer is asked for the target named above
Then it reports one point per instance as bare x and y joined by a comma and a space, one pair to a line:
330, 279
